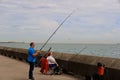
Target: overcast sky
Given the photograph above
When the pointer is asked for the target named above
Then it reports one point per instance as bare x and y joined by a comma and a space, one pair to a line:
94, 21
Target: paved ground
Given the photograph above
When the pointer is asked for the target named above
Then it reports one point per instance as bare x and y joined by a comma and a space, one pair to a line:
11, 69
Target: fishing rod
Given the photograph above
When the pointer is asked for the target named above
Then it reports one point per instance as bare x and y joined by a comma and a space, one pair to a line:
56, 30
82, 50
79, 52
49, 49
47, 52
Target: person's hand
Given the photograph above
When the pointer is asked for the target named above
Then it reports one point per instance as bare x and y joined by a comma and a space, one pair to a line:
37, 51
57, 65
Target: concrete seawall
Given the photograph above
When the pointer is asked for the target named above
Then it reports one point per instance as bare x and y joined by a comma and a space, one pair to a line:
72, 63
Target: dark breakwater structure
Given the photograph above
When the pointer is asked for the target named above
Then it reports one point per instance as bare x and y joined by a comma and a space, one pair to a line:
80, 65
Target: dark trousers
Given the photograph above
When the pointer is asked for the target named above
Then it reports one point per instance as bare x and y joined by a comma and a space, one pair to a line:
31, 70
100, 77
97, 77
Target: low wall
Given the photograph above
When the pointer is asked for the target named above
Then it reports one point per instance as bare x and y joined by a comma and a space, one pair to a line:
76, 64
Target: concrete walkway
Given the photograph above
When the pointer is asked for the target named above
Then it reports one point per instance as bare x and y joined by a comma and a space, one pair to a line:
11, 69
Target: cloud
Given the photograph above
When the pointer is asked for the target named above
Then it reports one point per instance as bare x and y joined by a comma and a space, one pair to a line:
93, 20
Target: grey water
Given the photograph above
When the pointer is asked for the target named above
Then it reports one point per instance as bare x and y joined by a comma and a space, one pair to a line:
104, 50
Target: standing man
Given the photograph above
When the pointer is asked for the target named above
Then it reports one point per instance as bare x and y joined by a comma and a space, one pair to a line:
32, 59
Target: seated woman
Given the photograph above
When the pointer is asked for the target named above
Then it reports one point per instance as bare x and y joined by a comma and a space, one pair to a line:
52, 62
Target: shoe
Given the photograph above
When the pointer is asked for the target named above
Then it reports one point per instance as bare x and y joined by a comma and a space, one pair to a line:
33, 78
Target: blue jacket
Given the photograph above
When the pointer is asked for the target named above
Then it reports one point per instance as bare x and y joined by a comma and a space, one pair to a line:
31, 58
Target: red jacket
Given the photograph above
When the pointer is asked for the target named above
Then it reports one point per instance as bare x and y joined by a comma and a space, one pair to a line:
44, 65
100, 71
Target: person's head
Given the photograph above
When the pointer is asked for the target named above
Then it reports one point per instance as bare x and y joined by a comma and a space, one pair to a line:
99, 64
45, 56
32, 44
50, 53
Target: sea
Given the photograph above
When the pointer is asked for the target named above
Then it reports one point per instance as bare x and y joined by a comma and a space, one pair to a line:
102, 50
